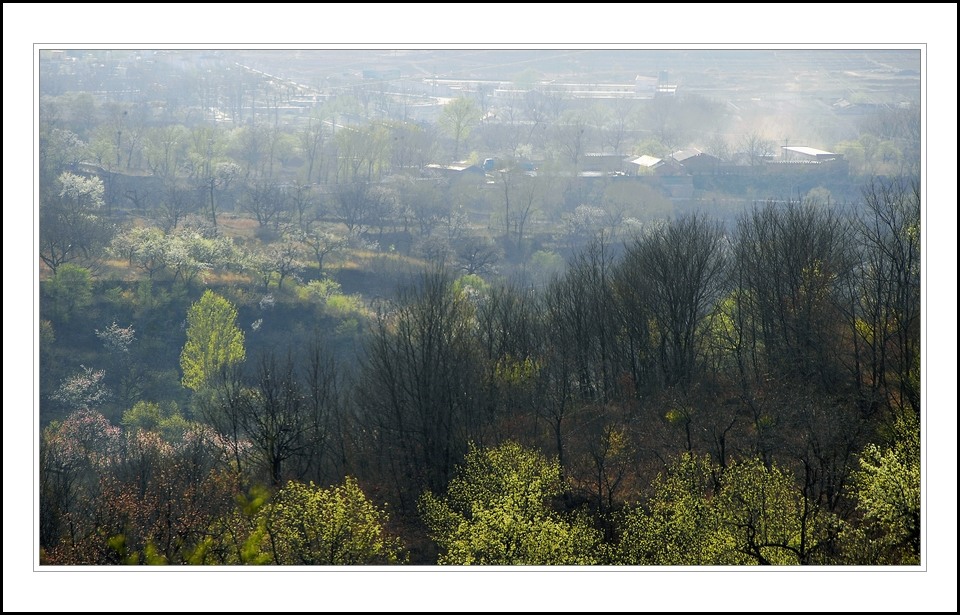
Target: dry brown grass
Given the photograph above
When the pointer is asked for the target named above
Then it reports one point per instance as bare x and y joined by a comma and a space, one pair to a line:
118, 269
237, 226
364, 259
227, 277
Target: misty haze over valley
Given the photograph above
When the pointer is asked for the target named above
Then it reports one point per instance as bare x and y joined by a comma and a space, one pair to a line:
479, 307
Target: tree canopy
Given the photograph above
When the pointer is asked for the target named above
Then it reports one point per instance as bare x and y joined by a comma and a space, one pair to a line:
497, 512
339, 526
213, 340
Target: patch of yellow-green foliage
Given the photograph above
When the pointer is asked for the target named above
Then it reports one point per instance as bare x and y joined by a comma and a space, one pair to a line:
756, 515
307, 525
888, 490
496, 512
213, 340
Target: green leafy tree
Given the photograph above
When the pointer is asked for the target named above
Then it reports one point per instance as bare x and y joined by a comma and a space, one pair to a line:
213, 340
747, 513
165, 420
458, 118
69, 291
678, 526
496, 512
888, 496
340, 526
763, 514
145, 415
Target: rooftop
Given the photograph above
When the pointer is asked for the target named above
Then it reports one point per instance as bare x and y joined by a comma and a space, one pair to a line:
807, 151
684, 154
646, 161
